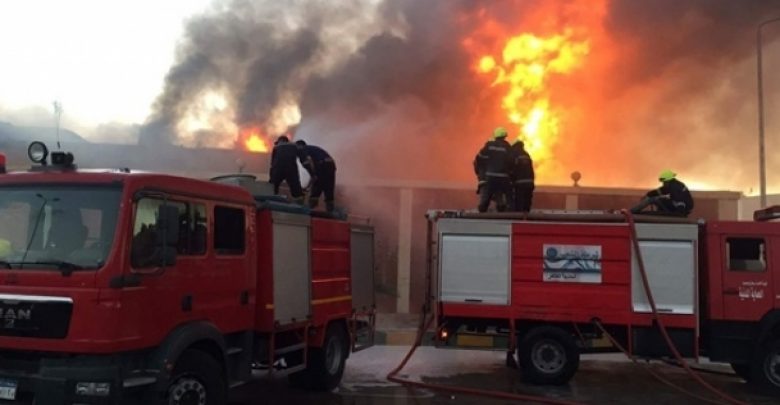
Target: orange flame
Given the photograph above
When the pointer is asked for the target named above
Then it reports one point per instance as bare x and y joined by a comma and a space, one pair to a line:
255, 144
253, 140
526, 65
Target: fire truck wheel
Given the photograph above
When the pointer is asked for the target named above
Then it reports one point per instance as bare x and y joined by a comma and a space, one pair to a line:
197, 379
548, 355
766, 367
326, 364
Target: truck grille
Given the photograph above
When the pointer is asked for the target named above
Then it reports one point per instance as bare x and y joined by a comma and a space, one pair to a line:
35, 316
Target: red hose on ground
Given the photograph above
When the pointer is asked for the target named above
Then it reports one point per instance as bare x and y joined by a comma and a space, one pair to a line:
651, 371
661, 327
424, 325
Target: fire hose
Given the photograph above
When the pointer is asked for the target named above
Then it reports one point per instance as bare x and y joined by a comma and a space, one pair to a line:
700, 369
661, 326
647, 368
425, 324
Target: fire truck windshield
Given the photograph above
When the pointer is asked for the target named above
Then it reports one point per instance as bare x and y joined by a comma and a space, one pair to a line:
65, 228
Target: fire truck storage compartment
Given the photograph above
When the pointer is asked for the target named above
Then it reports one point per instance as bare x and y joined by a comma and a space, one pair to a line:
571, 271
474, 265
362, 251
669, 253
291, 267
669, 256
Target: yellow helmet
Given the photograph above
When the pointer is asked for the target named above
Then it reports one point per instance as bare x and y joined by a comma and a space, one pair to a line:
499, 132
666, 175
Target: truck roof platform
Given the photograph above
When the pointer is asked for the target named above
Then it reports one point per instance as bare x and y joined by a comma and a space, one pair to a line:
563, 216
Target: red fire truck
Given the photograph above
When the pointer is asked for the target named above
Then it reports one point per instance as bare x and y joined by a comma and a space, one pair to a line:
551, 285
116, 286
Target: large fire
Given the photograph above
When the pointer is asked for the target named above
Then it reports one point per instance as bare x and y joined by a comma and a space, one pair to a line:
523, 69
254, 141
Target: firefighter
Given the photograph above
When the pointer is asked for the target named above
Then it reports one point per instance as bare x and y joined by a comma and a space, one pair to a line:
285, 168
322, 169
672, 198
495, 161
522, 178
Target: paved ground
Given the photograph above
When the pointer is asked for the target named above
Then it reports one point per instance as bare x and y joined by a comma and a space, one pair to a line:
602, 379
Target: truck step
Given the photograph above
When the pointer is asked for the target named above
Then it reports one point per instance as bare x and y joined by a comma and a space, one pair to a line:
231, 351
288, 349
138, 382
294, 369
364, 331
358, 348
234, 384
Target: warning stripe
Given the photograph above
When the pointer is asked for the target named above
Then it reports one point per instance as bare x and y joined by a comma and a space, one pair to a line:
321, 301
331, 300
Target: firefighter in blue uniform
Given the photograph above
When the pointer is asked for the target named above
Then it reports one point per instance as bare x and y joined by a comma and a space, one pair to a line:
322, 169
495, 162
522, 178
672, 198
285, 168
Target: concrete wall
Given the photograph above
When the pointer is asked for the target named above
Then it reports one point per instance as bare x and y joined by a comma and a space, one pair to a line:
748, 205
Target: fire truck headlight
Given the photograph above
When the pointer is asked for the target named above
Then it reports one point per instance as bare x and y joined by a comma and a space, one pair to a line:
93, 389
38, 152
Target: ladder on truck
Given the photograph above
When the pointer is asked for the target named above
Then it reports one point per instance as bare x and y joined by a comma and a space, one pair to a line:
362, 329
288, 348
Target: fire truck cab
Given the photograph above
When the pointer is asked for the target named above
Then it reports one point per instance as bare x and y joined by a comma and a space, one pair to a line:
547, 286
118, 286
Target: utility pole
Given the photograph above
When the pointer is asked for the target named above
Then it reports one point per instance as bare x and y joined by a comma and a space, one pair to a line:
761, 149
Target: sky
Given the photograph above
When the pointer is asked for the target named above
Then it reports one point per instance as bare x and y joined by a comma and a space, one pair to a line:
105, 61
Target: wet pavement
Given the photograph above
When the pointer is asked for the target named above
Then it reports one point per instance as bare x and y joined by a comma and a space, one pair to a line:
601, 379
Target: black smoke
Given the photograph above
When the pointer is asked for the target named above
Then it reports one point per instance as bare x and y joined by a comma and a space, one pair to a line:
389, 87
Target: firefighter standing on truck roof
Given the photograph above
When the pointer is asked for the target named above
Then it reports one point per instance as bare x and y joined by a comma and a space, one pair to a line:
522, 178
322, 169
673, 197
495, 161
285, 168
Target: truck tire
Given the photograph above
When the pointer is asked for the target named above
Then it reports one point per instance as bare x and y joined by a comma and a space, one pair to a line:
765, 370
548, 356
197, 379
326, 364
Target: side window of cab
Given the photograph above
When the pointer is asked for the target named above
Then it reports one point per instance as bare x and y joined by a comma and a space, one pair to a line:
746, 254
229, 231
192, 226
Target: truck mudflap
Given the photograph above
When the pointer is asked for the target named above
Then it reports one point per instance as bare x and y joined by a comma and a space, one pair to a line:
34, 378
